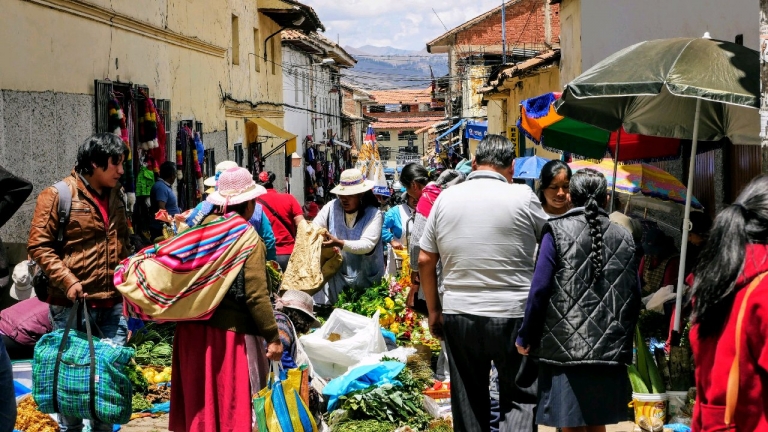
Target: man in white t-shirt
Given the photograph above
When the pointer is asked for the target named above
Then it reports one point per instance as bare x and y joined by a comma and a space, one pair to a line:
484, 232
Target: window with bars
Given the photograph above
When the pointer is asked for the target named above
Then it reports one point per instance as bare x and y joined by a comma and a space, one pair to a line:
383, 136
406, 135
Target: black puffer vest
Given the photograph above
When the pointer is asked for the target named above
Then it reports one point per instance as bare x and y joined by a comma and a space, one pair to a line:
590, 323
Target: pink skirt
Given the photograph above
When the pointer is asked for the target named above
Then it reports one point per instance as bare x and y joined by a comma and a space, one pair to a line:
210, 385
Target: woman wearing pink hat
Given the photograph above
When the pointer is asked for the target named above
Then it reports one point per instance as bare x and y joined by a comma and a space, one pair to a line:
213, 359
354, 223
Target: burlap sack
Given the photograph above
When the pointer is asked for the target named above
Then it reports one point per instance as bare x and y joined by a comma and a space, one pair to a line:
310, 265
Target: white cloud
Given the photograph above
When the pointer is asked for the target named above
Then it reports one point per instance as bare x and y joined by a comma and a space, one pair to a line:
405, 24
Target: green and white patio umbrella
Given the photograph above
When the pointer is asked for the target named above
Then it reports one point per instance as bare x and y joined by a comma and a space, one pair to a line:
686, 88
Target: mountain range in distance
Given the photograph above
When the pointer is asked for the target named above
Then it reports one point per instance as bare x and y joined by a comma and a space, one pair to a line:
381, 68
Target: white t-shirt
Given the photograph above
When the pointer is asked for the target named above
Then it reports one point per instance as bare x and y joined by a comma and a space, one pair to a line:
485, 231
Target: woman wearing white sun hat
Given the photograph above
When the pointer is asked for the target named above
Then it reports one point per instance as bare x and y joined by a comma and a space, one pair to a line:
354, 223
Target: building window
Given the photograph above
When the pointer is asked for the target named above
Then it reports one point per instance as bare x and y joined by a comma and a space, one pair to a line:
235, 40
406, 135
376, 108
257, 49
405, 108
384, 153
383, 136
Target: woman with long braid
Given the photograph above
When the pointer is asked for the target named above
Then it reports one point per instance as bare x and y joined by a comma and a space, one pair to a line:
581, 313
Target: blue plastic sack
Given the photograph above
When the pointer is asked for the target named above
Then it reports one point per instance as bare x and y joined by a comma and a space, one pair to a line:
360, 378
389, 336
678, 427
20, 389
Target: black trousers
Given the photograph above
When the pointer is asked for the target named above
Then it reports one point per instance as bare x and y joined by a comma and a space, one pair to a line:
472, 343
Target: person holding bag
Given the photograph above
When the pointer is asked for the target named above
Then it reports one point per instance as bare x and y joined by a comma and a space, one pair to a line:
80, 258
220, 363
354, 222
730, 317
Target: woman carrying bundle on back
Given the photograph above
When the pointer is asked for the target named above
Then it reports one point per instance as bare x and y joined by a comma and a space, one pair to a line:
581, 313
214, 358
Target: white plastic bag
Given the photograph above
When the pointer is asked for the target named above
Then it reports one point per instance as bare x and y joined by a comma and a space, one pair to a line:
391, 262
657, 300
358, 337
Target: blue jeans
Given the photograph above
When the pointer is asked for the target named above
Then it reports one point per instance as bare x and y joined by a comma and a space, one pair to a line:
7, 394
114, 326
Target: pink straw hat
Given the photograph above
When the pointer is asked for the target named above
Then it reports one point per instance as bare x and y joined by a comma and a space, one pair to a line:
235, 186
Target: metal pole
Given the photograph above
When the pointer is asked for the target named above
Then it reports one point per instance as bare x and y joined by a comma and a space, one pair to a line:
615, 170
686, 220
503, 33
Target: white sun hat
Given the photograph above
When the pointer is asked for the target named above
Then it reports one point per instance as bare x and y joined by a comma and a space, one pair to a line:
236, 186
220, 168
22, 282
352, 183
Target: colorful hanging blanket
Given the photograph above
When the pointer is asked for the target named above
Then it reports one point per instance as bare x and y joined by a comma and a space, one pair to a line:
186, 277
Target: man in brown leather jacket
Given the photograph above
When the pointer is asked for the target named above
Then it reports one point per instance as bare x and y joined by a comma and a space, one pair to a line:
95, 241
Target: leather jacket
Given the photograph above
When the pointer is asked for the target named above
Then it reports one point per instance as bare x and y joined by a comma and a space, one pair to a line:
90, 251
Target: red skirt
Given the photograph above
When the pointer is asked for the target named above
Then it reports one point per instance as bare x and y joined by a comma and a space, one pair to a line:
210, 386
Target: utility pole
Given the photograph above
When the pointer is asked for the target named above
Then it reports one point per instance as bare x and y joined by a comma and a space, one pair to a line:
503, 33
764, 82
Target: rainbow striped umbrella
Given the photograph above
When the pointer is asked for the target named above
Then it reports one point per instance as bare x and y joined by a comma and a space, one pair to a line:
644, 182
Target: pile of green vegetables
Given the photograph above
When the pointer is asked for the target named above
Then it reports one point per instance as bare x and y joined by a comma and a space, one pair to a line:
364, 302
393, 405
154, 344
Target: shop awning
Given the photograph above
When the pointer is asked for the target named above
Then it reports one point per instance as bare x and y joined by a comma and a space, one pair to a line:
446, 133
453, 128
252, 134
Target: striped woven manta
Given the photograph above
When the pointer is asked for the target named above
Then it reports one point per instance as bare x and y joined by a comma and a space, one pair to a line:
186, 277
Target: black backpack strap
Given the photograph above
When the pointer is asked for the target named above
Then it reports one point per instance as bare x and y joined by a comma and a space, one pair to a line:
65, 205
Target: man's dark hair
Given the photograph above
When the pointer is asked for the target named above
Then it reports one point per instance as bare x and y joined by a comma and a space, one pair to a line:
98, 150
496, 151
167, 170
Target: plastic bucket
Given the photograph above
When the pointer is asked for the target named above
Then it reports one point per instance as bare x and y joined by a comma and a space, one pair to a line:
22, 373
650, 406
676, 400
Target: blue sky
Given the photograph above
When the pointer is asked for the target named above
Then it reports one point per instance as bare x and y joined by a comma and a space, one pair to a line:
405, 24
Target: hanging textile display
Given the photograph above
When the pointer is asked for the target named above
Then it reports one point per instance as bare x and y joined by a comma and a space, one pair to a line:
189, 172
159, 153
117, 125
147, 124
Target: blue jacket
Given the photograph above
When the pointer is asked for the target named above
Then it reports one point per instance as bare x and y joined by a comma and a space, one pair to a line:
258, 221
392, 227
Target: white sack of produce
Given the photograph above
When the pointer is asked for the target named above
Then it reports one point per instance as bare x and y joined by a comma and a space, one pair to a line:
343, 341
310, 265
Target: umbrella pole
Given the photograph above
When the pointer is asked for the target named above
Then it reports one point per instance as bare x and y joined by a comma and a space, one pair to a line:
615, 170
686, 220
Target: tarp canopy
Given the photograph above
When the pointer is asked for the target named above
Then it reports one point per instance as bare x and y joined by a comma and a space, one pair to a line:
252, 133
453, 128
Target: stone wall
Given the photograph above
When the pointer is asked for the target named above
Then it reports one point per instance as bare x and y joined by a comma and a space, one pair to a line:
39, 136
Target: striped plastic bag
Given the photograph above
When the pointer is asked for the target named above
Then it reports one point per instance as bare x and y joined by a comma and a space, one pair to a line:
280, 407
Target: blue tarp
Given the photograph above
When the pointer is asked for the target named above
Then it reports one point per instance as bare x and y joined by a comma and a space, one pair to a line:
476, 130
389, 170
361, 378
